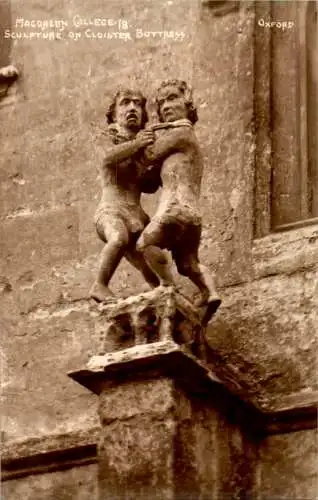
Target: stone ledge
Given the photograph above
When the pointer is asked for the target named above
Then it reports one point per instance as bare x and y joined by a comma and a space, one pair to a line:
64, 451
166, 356
48, 454
291, 420
305, 399
170, 359
286, 252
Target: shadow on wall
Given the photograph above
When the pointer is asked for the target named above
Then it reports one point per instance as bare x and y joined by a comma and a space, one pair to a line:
229, 354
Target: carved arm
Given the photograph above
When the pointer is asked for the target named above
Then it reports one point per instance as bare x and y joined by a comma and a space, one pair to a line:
169, 142
120, 152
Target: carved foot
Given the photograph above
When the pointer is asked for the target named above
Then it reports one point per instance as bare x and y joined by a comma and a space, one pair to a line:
101, 293
210, 304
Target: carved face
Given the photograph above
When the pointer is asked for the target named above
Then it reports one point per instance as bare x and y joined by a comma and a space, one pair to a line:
172, 104
129, 111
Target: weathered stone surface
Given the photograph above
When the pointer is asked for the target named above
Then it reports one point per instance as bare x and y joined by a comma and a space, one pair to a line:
161, 357
36, 378
30, 244
137, 440
52, 445
57, 286
49, 190
73, 484
236, 455
288, 468
263, 334
161, 314
223, 79
158, 441
286, 253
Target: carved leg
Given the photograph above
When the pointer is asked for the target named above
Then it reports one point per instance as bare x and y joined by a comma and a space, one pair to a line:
111, 255
210, 283
188, 265
150, 244
159, 263
138, 260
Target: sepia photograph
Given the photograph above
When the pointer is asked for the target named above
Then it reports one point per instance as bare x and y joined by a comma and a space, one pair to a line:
159, 249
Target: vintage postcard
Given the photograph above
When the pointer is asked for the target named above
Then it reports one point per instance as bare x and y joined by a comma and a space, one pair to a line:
159, 249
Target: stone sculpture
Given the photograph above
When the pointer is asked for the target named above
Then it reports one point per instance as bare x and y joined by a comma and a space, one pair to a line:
176, 224
162, 326
120, 218
140, 160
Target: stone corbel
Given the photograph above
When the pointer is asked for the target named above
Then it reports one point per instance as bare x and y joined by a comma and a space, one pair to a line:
8, 75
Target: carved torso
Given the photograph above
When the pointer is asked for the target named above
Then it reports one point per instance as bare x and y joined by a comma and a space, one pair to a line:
181, 174
121, 192
122, 184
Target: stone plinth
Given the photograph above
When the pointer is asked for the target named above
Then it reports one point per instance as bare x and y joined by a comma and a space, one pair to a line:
158, 358
159, 315
169, 428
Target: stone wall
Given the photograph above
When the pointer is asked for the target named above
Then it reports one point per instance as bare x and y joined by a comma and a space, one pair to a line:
50, 189
289, 466
72, 484
52, 140
174, 444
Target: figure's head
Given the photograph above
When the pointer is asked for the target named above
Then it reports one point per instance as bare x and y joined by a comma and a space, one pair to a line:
174, 102
128, 109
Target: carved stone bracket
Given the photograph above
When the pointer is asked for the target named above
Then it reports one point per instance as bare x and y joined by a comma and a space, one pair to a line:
8, 75
162, 314
154, 330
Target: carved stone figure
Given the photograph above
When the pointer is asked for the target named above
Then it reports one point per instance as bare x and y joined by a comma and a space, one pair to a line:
120, 218
176, 224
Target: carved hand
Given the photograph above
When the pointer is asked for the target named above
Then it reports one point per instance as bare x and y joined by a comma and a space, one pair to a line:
145, 138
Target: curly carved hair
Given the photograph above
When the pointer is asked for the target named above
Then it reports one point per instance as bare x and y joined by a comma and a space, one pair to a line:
186, 91
110, 114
